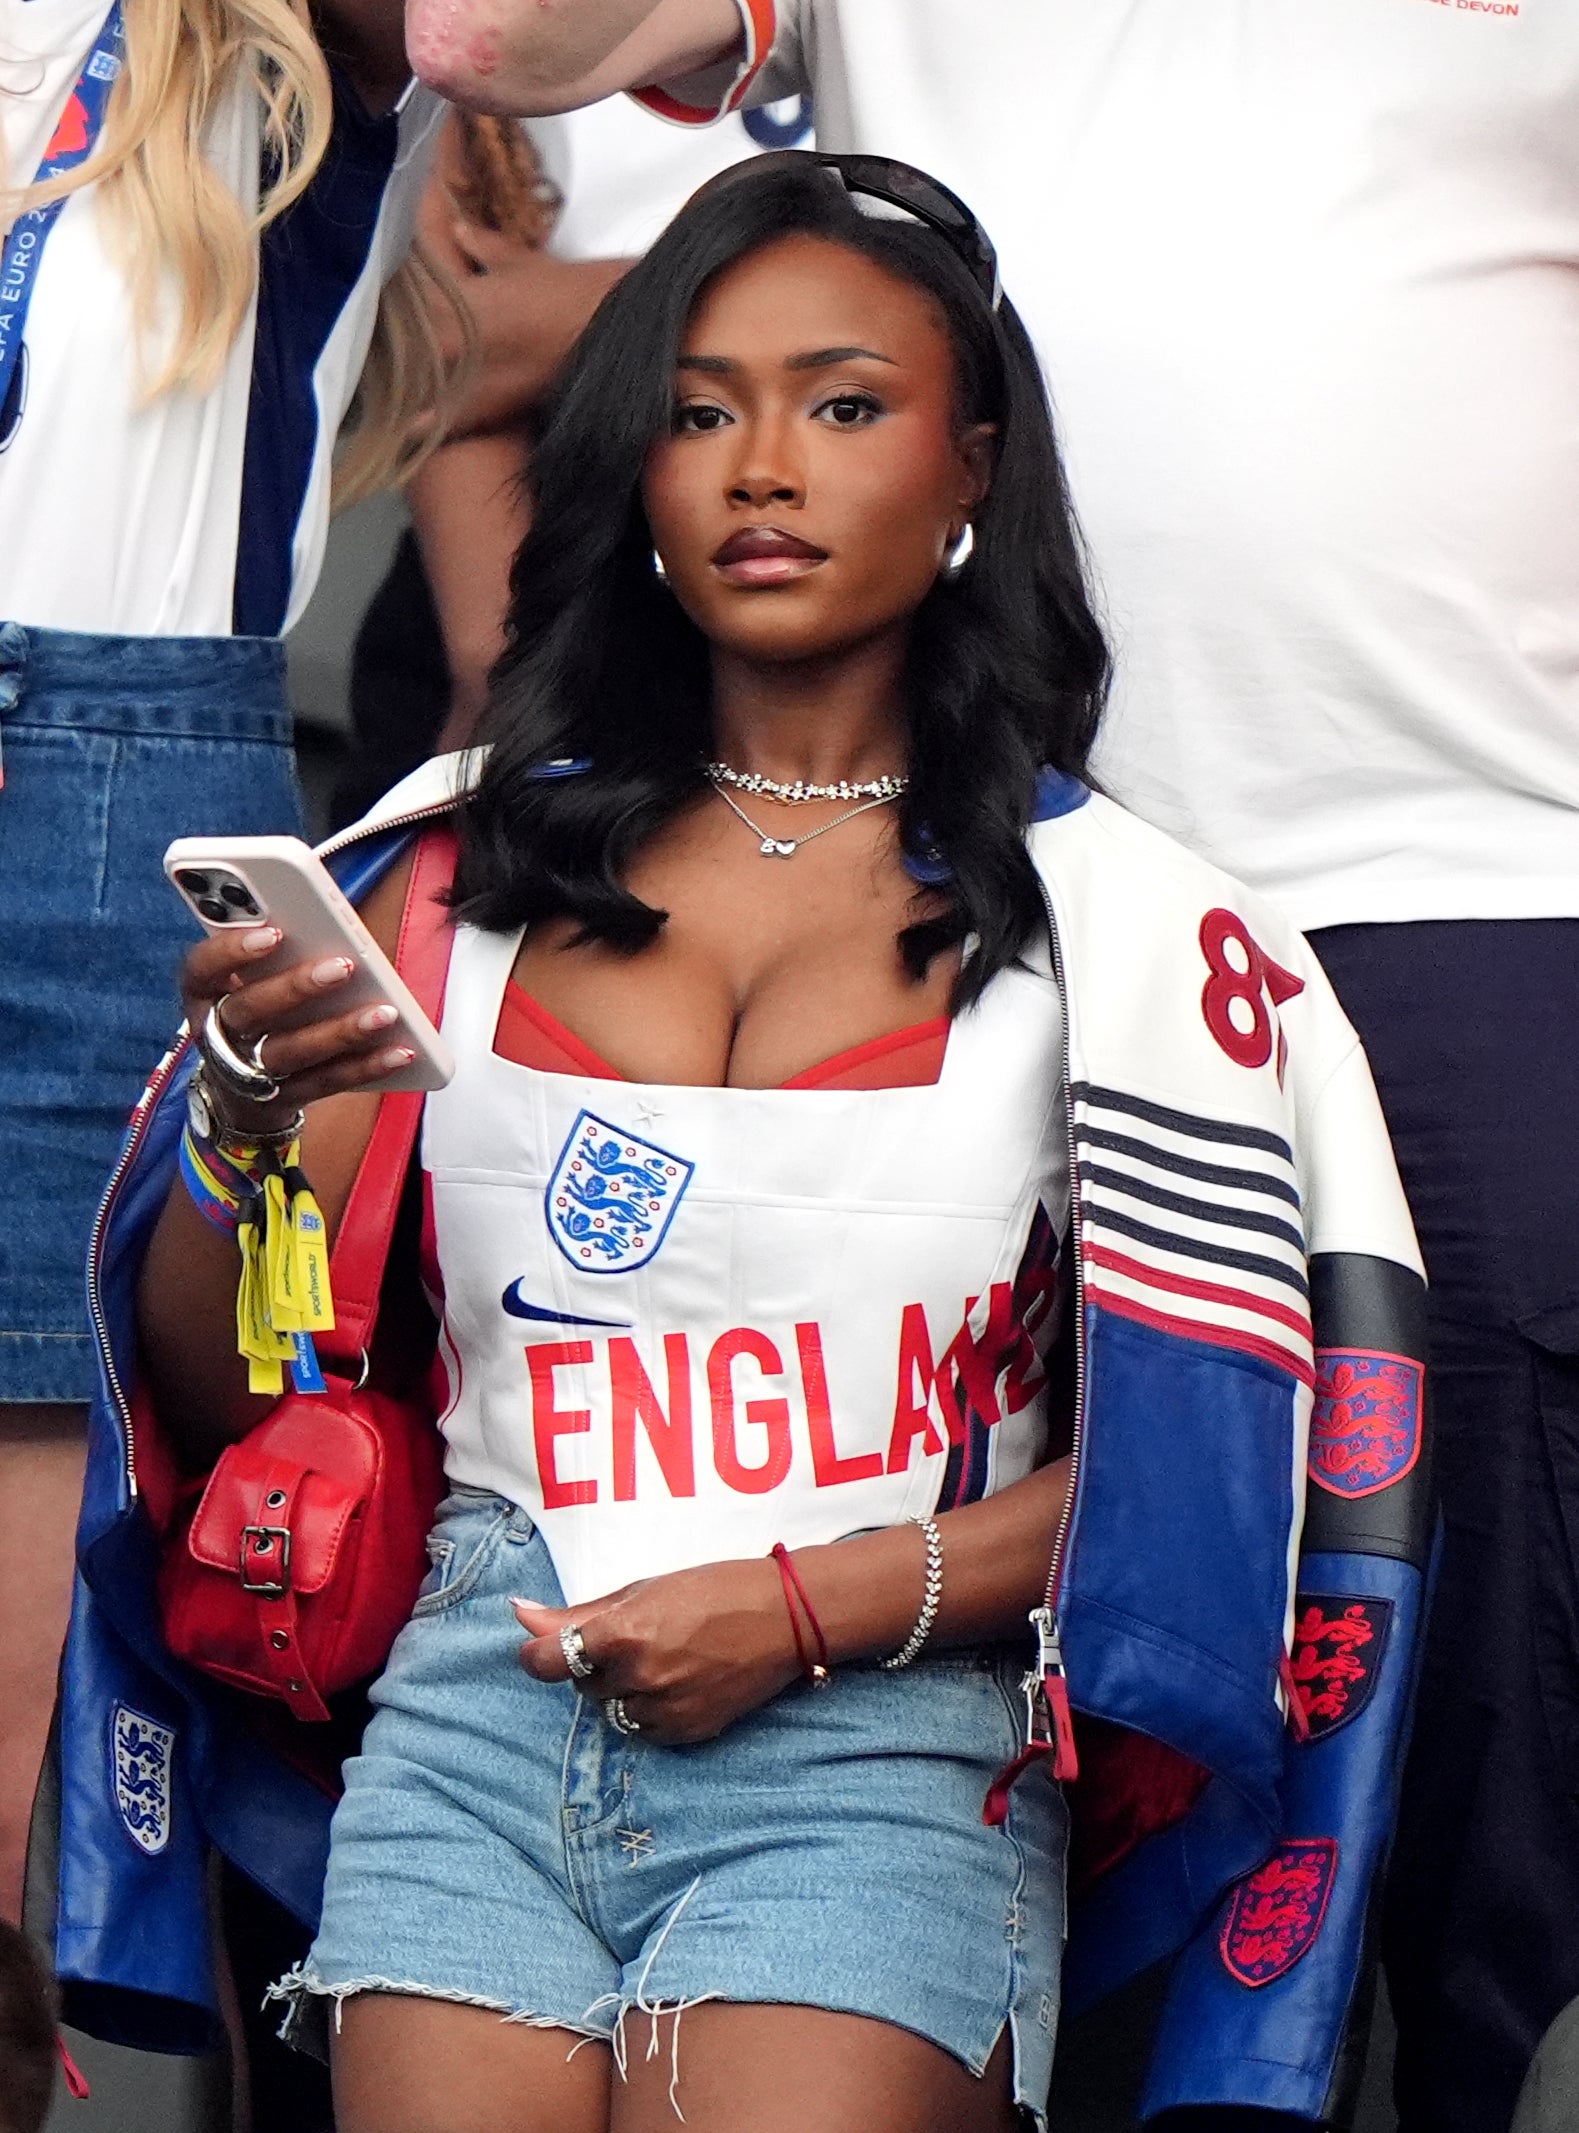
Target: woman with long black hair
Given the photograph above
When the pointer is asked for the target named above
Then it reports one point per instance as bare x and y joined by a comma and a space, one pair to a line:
798, 985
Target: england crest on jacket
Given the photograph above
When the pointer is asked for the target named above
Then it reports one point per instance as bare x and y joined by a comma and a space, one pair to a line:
612, 1196
142, 1751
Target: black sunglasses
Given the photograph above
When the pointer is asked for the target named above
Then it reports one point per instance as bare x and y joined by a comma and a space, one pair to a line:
898, 185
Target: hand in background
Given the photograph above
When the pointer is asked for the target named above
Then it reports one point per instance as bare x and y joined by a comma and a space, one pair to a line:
528, 309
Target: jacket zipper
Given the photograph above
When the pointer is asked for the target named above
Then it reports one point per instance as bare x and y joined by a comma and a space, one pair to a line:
1049, 1722
146, 1105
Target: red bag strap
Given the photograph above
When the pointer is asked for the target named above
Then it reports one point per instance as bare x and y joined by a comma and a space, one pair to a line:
356, 1270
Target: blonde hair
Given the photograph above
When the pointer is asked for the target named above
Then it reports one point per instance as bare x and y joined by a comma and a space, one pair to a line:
176, 221
495, 178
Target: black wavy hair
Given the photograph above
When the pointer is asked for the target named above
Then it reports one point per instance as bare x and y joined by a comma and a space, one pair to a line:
1007, 666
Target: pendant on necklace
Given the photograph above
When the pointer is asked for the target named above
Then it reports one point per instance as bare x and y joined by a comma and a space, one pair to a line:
773, 848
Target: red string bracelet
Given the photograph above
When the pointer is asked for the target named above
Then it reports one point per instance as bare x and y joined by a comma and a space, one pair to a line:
818, 1671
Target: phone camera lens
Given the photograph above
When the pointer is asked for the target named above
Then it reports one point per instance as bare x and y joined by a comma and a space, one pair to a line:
218, 913
239, 898
194, 883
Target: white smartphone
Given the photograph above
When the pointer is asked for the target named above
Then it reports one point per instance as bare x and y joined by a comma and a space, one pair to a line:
233, 883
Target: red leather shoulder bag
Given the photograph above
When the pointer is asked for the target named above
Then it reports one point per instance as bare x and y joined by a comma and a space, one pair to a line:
297, 1566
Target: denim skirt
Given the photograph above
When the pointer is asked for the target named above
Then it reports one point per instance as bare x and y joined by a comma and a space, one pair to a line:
109, 748
501, 1845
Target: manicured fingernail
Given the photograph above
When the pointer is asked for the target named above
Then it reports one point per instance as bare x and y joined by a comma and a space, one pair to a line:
333, 970
398, 1055
260, 938
377, 1018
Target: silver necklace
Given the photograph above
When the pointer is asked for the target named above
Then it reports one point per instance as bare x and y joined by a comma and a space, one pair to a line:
883, 788
787, 847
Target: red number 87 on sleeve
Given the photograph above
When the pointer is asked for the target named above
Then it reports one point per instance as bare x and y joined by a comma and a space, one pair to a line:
1242, 990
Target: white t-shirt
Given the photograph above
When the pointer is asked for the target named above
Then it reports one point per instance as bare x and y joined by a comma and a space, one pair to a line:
1304, 275
624, 176
187, 516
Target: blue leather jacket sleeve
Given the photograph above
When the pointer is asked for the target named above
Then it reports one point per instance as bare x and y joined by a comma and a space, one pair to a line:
1269, 2004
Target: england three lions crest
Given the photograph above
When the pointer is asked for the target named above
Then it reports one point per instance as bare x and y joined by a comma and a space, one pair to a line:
1275, 1914
1365, 1425
142, 1751
612, 1196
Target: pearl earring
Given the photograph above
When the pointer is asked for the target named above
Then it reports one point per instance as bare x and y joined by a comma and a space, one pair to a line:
964, 549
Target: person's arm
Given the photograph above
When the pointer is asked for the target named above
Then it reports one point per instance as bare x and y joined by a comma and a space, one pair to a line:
469, 511
558, 55
186, 1299
527, 311
468, 501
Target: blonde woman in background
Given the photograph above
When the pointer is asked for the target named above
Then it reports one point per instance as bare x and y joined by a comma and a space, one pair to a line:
205, 201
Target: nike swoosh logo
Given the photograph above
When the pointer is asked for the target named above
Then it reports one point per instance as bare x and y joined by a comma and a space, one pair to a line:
517, 1306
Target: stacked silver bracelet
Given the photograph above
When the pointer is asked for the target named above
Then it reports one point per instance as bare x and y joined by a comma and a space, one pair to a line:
931, 1595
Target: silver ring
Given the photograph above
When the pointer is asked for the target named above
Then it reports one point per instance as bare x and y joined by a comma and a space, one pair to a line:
575, 1651
618, 1717
242, 1073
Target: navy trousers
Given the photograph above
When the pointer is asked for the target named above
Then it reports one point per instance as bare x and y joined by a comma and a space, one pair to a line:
1473, 1034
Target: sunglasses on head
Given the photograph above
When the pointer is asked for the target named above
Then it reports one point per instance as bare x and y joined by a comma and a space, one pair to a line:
898, 185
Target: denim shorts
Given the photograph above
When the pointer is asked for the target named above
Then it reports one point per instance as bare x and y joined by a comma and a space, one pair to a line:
109, 747
501, 1845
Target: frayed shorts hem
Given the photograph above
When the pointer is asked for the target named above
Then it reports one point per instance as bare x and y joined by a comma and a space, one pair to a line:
307, 1997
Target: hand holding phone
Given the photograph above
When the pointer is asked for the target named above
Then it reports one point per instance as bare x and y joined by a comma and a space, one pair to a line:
317, 996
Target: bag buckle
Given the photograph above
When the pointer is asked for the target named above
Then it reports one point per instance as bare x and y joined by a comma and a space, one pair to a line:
268, 1588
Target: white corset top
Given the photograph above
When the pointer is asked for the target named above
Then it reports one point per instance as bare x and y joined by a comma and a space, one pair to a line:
681, 1324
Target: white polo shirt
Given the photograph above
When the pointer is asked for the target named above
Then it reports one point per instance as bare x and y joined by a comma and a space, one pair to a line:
1304, 275
624, 175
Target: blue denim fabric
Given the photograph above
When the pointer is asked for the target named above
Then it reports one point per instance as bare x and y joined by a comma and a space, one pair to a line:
110, 746
500, 1844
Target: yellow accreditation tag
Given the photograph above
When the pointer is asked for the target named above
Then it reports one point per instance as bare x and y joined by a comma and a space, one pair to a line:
282, 1304
284, 1286
310, 1240
254, 1337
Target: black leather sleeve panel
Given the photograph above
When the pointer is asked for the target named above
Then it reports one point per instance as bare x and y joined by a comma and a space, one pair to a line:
1366, 1303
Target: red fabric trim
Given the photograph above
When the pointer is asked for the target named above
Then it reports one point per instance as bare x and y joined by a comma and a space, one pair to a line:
928, 1040
1210, 1291
522, 1019
1217, 1336
1066, 1757
76, 2086
760, 23
764, 29
670, 107
995, 1809
524, 1024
